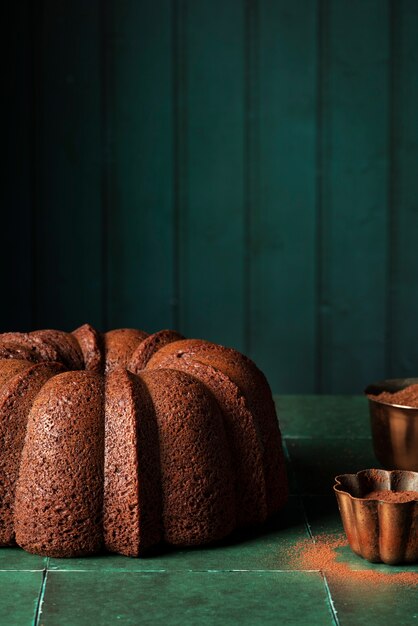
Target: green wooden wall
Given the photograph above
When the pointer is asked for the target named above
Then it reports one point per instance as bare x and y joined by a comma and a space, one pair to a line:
245, 171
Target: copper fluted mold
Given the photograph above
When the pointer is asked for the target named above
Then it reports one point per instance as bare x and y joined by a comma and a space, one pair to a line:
394, 427
379, 531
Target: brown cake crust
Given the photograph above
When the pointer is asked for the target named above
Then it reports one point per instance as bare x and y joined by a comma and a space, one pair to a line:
254, 386
16, 397
196, 470
11, 367
132, 511
12, 350
119, 345
142, 354
185, 447
59, 493
242, 434
66, 346
36, 348
91, 345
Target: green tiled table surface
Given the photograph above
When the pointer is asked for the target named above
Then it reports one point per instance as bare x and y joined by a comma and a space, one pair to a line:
249, 579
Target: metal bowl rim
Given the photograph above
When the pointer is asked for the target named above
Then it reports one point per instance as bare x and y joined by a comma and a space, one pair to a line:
388, 382
339, 490
397, 406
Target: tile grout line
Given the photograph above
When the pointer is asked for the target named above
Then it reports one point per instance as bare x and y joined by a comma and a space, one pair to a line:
14, 569
41, 596
307, 494
290, 471
324, 438
330, 600
305, 516
324, 578
186, 571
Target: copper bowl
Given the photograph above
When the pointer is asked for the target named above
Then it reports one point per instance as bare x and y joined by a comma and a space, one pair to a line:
394, 427
379, 531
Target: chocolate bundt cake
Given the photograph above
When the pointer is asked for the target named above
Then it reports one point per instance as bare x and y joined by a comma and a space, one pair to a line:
121, 440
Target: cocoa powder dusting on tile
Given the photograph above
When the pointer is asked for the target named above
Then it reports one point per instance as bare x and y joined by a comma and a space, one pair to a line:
392, 496
404, 397
324, 555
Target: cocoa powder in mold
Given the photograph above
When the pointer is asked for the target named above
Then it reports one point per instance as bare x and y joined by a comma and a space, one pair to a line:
404, 397
392, 496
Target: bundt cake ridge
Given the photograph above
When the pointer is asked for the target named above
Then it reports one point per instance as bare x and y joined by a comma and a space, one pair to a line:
121, 440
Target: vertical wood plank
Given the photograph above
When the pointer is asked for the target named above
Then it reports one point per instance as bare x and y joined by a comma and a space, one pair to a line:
403, 287
219, 121
68, 225
140, 220
211, 214
16, 262
354, 193
283, 228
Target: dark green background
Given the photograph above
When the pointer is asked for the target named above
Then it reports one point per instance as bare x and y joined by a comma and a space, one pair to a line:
242, 171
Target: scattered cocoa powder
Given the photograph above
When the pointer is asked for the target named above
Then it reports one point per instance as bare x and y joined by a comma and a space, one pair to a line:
404, 397
392, 496
322, 554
